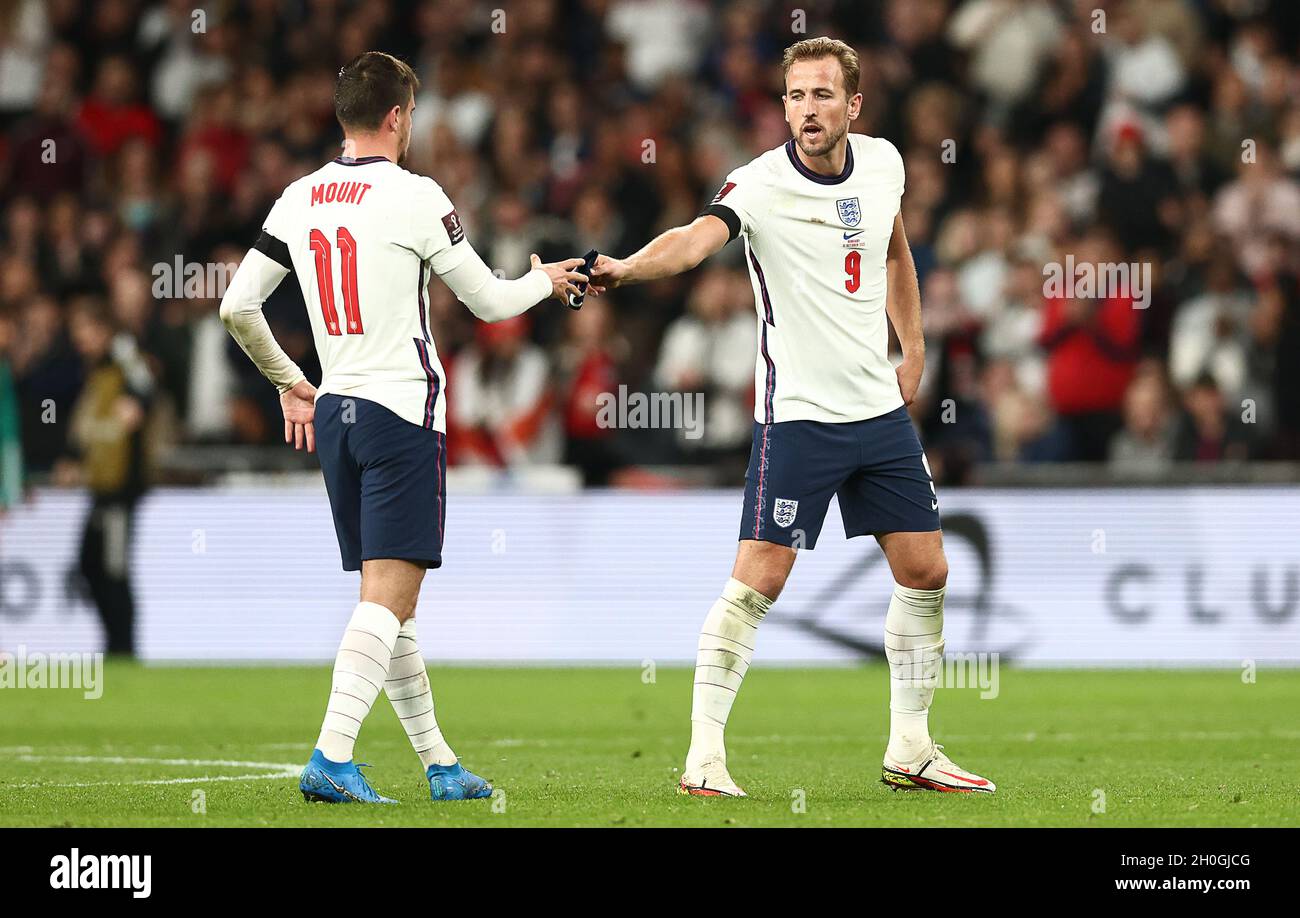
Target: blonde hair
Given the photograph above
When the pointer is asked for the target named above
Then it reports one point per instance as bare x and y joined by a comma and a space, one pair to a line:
811, 49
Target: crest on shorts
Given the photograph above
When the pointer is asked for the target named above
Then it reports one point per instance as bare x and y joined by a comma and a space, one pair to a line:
783, 511
850, 211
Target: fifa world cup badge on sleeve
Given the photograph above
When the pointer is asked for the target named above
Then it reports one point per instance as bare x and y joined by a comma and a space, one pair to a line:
455, 229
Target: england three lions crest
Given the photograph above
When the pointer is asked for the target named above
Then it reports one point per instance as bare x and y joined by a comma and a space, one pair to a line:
850, 211
783, 512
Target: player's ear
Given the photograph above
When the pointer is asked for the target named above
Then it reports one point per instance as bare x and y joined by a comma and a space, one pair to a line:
855, 105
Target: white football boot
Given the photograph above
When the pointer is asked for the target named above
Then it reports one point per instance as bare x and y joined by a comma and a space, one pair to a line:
709, 779
933, 771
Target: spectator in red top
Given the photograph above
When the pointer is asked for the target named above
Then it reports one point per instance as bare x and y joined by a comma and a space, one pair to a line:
111, 115
589, 369
501, 415
215, 130
1092, 352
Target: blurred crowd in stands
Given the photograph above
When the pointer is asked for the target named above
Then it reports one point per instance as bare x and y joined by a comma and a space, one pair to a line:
142, 136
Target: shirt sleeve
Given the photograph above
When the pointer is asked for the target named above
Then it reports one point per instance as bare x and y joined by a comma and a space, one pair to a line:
897, 171
740, 203
437, 235
241, 312
489, 297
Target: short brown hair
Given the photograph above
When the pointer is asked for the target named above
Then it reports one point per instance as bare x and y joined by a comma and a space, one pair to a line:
369, 86
811, 49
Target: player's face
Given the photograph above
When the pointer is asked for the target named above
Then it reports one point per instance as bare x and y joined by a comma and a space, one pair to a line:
817, 107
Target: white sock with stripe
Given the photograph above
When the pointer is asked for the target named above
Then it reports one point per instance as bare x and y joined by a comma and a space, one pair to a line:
725, 650
914, 649
360, 669
409, 693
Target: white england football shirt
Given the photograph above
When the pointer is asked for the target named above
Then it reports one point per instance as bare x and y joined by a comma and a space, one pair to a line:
816, 247
363, 236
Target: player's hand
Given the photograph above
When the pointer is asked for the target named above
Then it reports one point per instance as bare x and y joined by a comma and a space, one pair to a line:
299, 407
909, 377
564, 279
607, 273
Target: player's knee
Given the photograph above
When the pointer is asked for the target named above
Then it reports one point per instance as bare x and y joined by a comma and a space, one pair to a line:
400, 602
925, 574
769, 584
404, 610
764, 566
939, 574
395, 585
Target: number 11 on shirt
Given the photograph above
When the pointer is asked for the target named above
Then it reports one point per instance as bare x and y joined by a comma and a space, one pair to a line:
347, 245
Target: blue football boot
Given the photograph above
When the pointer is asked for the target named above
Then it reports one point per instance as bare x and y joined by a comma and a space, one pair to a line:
324, 781
453, 782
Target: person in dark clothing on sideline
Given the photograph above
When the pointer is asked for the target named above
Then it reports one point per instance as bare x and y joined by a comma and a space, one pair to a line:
107, 430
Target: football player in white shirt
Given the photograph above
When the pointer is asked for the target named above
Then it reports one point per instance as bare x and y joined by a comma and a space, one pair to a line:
363, 236
828, 260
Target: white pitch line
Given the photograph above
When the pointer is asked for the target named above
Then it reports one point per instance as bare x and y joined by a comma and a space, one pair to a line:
281, 770
203, 780
130, 760
796, 739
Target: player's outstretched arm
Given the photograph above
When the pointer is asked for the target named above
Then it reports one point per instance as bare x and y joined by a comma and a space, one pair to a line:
673, 252
903, 305
241, 313
494, 299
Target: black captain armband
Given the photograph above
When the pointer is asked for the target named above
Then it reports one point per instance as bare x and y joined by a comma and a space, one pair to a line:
726, 215
575, 302
274, 249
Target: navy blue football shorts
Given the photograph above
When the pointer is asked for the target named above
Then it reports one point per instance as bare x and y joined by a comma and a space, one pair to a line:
876, 468
386, 480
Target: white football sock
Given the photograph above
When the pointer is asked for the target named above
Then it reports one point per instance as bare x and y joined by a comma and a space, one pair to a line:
725, 649
408, 692
359, 673
914, 648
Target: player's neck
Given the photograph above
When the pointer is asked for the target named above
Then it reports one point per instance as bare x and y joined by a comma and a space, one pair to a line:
362, 146
831, 163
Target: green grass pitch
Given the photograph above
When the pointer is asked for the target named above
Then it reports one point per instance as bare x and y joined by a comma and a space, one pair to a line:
601, 747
